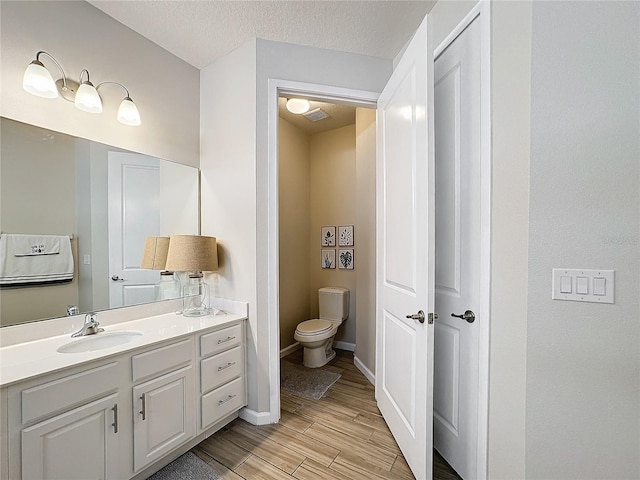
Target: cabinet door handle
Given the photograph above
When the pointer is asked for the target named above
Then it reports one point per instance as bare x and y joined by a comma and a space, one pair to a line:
224, 367
143, 412
228, 339
115, 418
230, 397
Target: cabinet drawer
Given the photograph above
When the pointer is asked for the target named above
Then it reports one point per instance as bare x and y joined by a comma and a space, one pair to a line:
161, 359
67, 392
219, 369
222, 401
221, 340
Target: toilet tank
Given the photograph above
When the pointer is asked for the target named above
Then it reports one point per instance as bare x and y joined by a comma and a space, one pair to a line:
334, 303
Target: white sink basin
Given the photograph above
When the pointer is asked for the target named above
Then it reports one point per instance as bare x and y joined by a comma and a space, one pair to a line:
98, 341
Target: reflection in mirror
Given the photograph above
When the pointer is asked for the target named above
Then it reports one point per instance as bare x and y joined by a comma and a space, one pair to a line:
108, 200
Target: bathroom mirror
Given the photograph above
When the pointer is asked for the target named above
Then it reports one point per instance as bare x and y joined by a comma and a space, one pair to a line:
106, 199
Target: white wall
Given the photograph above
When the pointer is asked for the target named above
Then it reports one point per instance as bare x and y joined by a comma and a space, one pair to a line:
79, 36
510, 103
228, 187
583, 359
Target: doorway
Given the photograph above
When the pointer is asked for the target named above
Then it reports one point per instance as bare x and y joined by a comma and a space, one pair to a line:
326, 184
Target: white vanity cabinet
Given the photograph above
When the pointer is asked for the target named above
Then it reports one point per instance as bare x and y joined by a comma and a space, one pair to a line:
67, 425
163, 413
222, 374
127, 414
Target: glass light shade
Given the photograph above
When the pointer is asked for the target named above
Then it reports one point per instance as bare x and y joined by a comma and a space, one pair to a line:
37, 81
87, 99
298, 105
128, 113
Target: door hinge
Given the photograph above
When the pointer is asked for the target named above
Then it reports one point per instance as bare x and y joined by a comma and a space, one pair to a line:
432, 317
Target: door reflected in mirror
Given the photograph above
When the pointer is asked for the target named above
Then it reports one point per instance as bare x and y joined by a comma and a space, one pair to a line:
108, 199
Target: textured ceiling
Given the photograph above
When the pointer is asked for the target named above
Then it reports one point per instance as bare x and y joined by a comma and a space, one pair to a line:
201, 31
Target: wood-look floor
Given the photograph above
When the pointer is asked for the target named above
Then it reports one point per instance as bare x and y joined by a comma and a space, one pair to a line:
341, 436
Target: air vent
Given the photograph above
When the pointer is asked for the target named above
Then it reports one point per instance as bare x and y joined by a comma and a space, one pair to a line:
316, 114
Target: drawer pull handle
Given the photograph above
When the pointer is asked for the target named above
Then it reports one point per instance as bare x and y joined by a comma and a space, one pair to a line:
229, 397
224, 367
143, 412
228, 339
115, 418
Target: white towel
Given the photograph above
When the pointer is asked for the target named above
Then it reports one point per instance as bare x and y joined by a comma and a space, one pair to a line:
28, 259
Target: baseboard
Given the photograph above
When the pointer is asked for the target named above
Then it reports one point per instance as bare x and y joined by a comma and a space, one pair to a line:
290, 349
349, 347
365, 371
256, 418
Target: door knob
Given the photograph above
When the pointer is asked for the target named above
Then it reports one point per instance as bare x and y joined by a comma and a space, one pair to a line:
419, 317
469, 316
116, 278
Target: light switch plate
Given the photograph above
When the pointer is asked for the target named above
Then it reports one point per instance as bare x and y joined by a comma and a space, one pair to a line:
595, 286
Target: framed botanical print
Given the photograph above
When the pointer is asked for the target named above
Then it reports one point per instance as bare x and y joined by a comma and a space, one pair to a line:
328, 236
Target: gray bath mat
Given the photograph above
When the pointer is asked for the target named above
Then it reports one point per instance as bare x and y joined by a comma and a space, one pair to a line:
306, 382
186, 467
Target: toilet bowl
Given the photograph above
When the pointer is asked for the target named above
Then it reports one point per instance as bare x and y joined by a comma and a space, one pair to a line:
316, 335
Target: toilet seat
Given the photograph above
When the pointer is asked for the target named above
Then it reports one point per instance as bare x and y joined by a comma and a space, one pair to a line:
316, 326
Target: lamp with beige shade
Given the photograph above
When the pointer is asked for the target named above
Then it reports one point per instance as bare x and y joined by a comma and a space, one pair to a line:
154, 257
193, 254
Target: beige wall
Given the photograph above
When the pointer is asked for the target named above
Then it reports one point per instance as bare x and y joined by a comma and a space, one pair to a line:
294, 229
325, 180
79, 36
34, 164
366, 232
333, 202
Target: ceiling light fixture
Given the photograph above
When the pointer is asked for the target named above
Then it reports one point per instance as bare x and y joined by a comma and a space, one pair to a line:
37, 81
298, 105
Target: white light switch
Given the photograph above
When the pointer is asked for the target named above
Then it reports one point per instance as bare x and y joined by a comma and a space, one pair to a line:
582, 285
599, 286
86, 259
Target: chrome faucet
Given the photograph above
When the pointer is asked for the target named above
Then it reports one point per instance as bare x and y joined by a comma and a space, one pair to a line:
90, 326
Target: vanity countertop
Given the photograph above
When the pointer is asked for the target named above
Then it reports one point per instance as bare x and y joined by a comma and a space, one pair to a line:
29, 359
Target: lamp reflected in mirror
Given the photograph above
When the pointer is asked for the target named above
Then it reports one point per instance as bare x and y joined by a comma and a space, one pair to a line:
154, 257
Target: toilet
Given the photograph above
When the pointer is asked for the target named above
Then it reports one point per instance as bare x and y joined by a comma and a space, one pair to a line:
316, 335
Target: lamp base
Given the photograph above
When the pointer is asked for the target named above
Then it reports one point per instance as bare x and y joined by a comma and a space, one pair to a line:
196, 312
195, 296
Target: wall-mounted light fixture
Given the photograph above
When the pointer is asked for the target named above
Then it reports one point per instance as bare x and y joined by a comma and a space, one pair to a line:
298, 105
38, 81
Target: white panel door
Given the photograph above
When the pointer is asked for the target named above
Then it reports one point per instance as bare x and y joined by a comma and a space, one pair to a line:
134, 213
457, 159
405, 229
